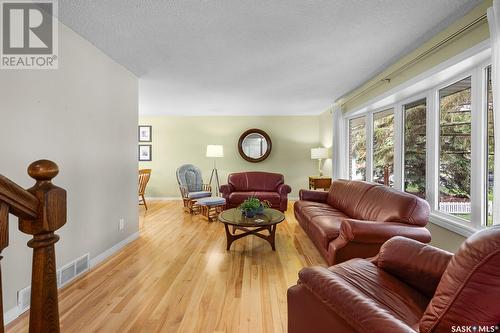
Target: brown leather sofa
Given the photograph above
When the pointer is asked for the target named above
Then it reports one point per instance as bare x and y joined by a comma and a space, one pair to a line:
353, 219
408, 287
263, 185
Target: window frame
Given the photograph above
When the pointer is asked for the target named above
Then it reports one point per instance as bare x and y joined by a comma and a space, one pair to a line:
479, 147
401, 144
484, 89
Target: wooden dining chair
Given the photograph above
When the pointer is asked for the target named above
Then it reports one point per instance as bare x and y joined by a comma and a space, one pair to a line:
144, 175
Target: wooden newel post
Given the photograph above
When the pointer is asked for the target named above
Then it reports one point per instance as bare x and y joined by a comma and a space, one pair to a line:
4, 241
44, 311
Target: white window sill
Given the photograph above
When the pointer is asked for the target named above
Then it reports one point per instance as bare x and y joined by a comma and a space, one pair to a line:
452, 224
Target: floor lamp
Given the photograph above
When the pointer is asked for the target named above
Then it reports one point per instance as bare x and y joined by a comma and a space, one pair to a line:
215, 151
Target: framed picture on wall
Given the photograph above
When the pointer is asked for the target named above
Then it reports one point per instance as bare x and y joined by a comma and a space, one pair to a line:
145, 153
145, 133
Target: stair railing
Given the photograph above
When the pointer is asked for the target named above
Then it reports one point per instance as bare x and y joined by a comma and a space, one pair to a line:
41, 210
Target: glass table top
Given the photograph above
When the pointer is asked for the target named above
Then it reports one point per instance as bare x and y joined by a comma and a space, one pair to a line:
234, 216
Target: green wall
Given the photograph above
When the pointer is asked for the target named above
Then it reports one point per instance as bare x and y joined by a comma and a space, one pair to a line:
326, 138
178, 140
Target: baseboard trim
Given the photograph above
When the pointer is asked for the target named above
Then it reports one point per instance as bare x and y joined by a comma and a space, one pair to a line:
11, 314
14, 313
112, 250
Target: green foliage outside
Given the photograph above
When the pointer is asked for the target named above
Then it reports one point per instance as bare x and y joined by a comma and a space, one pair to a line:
414, 148
357, 148
383, 145
454, 146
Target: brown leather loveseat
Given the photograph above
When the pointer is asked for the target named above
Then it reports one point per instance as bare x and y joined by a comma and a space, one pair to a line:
353, 219
409, 287
263, 185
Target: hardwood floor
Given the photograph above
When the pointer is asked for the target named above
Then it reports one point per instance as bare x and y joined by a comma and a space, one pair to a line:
178, 277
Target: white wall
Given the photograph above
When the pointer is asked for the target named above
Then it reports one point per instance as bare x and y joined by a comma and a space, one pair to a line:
83, 116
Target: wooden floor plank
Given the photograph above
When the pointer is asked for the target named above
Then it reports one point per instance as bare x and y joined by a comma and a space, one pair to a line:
178, 277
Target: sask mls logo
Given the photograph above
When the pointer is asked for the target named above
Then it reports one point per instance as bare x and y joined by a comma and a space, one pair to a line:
29, 34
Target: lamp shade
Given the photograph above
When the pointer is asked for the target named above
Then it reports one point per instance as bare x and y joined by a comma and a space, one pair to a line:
215, 151
319, 153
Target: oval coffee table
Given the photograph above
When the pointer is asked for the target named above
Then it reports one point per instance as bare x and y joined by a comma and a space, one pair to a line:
251, 225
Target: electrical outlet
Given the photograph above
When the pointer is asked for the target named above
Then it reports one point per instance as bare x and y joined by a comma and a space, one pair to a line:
121, 224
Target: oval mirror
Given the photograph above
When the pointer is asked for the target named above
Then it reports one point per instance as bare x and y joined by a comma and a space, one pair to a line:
254, 145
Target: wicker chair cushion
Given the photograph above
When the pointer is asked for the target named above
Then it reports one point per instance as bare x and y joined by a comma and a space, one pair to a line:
212, 201
199, 194
189, 176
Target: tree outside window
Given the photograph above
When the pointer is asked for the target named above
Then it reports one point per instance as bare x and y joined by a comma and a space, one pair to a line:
455, 149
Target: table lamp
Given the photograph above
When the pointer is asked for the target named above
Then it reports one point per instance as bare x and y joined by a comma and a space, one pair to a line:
215, 151
319, 154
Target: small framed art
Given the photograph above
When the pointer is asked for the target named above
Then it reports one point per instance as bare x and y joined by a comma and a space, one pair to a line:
145, 152
145, 133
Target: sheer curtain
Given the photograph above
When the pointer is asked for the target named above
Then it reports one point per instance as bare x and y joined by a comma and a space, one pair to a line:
339, 142
494, 24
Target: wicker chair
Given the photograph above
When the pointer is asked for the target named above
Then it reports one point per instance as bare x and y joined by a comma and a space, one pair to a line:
191, 186
144, 175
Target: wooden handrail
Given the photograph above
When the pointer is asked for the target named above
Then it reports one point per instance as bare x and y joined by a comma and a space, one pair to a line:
21, 202
41, 210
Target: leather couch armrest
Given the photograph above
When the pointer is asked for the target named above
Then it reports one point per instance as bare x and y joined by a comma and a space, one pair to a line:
284, 189
419, 265
363, 314
316, 196
226, 189
378, 232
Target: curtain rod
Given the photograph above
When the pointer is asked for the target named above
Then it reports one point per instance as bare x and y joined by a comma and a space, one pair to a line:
418, 58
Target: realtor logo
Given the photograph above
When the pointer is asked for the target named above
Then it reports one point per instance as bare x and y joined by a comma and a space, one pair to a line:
28, 35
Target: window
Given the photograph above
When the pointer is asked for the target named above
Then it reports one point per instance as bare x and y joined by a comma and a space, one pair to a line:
490, 130
414, 152
383, 147
455, 149
438, 145
357, 148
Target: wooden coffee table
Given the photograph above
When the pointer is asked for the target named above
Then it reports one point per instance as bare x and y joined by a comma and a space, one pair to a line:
268, 220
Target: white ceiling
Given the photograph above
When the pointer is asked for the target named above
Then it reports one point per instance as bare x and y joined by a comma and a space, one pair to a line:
255, 57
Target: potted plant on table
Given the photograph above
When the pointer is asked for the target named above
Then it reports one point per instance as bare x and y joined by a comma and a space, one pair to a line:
253, 206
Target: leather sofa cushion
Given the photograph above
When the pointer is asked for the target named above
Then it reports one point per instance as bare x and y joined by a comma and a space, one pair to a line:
301, 204
325, 228
469, 289
323, 223
346, 195
239, 196
272, 197
381, 203
313, 211
364, 281
255, 181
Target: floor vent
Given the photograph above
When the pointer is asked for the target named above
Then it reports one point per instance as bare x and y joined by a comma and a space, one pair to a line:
82, 264
67, 273
64, 276
72, 270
